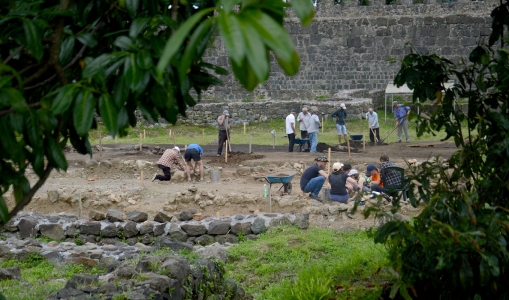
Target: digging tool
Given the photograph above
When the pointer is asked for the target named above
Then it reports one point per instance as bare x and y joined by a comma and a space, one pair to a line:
229, 142
382, 141
374, 135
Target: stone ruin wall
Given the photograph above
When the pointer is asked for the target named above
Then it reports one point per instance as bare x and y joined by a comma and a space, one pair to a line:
346, 46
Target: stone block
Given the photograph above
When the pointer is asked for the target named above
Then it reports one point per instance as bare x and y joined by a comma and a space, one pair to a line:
52, 231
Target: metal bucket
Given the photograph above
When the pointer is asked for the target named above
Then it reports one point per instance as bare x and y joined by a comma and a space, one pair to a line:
214, 176
326, 194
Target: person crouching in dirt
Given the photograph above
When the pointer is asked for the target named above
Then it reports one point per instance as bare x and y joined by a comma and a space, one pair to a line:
193, 152
340, 184
377, 184
359, 180
164, 163
314, 177
313, 127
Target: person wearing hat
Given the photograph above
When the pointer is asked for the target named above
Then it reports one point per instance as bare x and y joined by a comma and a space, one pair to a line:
164, 163
340, 116
224, 129
290, 129
376, 183
193, 152
401, 114
340, 183
314, 177
358, 179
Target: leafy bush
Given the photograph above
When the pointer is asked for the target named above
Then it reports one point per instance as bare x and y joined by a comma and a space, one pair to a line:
457, 247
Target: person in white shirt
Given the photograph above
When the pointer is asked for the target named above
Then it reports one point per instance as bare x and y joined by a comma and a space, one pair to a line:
290, 129
374, 127
304, 119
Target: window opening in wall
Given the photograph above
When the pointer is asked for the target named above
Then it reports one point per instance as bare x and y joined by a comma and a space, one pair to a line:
363, 2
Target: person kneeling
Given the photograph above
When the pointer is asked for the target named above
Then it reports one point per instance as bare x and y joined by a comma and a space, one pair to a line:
314, 177
340, 183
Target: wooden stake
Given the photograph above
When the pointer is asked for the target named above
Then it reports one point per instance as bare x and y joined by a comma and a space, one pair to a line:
274, 142
144, 134
348, 144
250, 140
244, 127
185, 147
116, 139
174, 144
141, 177
364, 144
170, 132
322, 124
203, 136
141, 141
79, 207
100, 146
226, 152
328, 164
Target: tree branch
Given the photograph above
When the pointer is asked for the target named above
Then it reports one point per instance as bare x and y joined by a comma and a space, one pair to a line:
18, 50
8, 111
28, 197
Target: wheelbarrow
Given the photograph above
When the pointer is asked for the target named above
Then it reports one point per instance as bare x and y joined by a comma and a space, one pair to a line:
356, 137
301, 143
283, 178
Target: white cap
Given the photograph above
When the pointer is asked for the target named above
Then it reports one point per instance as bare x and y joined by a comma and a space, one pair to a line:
342, 105
177, 148
336, 166
352, 172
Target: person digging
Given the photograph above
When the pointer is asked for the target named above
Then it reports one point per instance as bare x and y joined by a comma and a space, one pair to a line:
193, 152
164, 163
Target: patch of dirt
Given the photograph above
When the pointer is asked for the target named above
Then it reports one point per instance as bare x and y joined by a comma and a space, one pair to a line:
235, 158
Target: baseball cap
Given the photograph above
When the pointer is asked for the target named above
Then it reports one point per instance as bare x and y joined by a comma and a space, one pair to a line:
342, 105
226, 113
322, 158
353, 172
370, 168
176, 148
336, 166
293, 110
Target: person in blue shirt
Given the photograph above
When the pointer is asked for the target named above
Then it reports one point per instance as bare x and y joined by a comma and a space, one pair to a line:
314, 177
193, 152
340, 116
401, 114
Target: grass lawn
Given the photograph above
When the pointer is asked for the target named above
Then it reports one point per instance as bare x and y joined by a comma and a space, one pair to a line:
288, 263
259, 132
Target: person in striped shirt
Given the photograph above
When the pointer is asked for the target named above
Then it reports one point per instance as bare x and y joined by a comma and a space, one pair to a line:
169, 157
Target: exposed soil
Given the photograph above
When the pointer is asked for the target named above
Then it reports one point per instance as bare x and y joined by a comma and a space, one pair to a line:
115, 185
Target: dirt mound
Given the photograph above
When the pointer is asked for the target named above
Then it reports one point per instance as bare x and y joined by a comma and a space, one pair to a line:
235, 158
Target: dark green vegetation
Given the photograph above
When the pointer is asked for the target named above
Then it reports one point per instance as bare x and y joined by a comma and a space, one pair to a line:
457, 247
288, 263
62, 61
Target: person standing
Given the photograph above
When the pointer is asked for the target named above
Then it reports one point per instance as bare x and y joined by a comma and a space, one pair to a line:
313, 127
401, 114
314, 177
340, 116
374, 127
290, 129
193, 152
224, 130
304, 120
164, 163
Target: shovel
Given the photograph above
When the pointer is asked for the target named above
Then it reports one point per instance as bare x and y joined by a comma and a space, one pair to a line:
382, 141
229, 142
374, 135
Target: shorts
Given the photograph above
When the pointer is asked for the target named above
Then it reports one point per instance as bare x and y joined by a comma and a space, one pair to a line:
192, 154
341, 129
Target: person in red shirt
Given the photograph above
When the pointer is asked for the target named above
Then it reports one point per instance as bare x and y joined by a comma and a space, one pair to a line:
164, 163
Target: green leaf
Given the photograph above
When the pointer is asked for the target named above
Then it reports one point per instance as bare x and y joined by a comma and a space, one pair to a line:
256, 52
291, 66
304, 10
144, 59
177, 39
229, 27
83, 112
114, 67
4, 216
33, 37
17, 122
189, 54
124, 43
87, 39
123, 118
108, 112
66, 50
228, 4
64, 99
20, 188
137, 26
466, 274
120, 91
245, 74
13, 98
54, 154
96, 65
132, 73
33, 129
132, 7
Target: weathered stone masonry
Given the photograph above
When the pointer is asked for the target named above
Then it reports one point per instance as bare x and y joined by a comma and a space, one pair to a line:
346, 46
